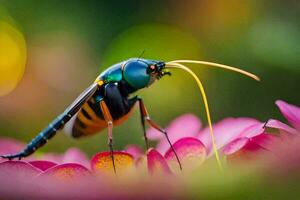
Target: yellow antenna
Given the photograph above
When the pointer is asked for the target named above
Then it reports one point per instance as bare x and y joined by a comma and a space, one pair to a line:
200, 85
216, 65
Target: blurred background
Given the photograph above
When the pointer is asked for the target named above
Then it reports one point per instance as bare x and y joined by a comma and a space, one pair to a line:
51, 50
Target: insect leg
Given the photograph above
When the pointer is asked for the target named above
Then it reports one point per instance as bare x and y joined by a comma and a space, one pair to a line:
143, 124
108, 118
146, 117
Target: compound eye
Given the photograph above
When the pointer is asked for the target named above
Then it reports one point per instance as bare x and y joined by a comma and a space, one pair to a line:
152, 68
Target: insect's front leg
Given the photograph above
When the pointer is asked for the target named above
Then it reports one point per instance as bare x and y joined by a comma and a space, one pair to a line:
143, 116
146, 117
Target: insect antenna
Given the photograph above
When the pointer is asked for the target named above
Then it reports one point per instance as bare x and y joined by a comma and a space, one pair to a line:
216, 65
141, 55
200, 85
177, 64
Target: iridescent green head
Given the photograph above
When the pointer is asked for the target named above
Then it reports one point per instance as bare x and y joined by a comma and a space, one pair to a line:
140, 73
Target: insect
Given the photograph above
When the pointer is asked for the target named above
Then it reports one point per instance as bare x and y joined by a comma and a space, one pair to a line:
107, 102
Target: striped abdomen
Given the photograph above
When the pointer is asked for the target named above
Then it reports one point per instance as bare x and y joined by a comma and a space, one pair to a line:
90, 120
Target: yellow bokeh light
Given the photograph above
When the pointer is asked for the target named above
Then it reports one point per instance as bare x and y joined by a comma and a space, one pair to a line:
12, 57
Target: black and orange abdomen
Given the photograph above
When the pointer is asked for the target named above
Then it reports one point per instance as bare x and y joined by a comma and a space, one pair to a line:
89, 120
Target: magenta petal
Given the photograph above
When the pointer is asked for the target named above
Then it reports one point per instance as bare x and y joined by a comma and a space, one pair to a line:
272, 123
18, 170
135, 151
65, 172
235, 145
266, 141
157, 163
42, 164
191, 153
290, 112
250, 152
226, 131
187, 123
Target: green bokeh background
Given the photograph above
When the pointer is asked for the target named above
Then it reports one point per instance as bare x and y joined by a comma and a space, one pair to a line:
70, 42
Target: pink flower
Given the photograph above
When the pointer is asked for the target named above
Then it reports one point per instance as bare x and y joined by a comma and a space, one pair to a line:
234, 135
73, 173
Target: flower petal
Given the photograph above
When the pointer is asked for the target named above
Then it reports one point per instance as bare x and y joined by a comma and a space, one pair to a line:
266, 141
249, 152
135, 151
53, 157
157, 163
42, 164
18, 170
253, 130
187, 123
74, 155
290, 112
235, 145
191, 153
65, 172
225, 131
273, 123
102, 162
260, 147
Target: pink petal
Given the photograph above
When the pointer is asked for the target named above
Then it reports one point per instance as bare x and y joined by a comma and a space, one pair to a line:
264, 144
42, 164
249, 152
226, 131
53, 157
191, 153
74, 155
253, 130
18, 170
187, 123
65, 172
235, 145
275, 143
135, 151
290, 112
272, 123
266, 141
260, 128
102, 162
157, 163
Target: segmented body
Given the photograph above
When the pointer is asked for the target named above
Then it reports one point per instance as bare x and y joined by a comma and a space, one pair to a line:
111, 89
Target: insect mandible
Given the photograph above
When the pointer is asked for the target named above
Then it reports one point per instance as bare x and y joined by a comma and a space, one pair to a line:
107, 102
